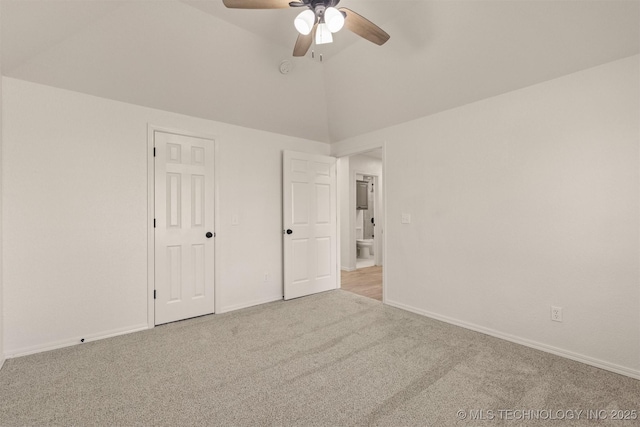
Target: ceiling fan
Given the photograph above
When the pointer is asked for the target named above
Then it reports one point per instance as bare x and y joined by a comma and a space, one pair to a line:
318, 21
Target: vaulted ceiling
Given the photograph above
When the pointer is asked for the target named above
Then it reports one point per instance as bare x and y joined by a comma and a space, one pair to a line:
198, 58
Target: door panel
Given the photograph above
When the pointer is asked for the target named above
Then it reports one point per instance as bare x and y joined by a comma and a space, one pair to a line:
310, 250
184, 213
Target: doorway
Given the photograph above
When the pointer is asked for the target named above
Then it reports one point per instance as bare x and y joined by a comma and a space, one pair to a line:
361, 213
365, 223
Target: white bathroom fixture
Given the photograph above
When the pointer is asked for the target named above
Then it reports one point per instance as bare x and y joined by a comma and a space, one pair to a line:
364, 247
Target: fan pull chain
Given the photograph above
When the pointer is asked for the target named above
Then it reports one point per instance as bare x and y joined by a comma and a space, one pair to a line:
313, 55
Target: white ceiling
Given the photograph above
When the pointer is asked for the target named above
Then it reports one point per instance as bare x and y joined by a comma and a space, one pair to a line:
198, 58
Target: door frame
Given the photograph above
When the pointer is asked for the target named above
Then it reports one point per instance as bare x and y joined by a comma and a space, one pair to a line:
340, 153
151, 181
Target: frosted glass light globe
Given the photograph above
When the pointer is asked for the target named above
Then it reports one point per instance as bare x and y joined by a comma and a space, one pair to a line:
304, 22
334, 19
323, 35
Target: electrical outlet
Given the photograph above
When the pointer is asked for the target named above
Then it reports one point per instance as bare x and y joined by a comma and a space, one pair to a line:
556, 314
266, 277
406, 218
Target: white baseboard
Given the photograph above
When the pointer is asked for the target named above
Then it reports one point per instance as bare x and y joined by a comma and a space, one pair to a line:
602, 364
347, 269
248, 304
25, 351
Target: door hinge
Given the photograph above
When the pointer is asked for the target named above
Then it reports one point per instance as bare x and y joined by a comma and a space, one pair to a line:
154, 294
154, 151
154, 223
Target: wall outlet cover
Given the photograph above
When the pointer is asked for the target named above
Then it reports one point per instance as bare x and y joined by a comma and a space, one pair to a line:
556, 313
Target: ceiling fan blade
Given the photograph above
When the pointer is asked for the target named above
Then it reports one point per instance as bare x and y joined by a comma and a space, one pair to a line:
257, 4
363, 27
303, 43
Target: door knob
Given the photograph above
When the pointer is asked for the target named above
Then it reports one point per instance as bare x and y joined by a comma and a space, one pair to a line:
289, 231
209, 234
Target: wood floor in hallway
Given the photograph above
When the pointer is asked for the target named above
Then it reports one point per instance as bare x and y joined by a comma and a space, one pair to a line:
364, 281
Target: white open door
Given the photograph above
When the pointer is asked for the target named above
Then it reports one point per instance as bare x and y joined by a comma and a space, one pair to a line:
184, 214
310, 234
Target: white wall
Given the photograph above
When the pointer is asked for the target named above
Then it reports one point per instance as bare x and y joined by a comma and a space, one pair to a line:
519, 202
75, 214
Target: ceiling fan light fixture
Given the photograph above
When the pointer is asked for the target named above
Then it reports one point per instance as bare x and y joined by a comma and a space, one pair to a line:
304, 22
318, 20
323, 35
334, 19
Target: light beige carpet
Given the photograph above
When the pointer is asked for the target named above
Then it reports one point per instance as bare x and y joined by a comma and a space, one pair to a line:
331, 359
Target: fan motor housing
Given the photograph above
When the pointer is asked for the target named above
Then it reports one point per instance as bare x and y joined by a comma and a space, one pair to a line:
319, 6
